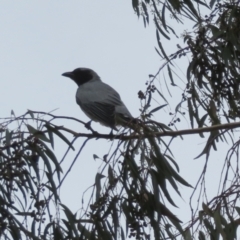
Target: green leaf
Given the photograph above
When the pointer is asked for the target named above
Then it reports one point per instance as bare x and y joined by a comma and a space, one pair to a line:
8, 138
85, 234
212, 2
57, 233
147, 105
52, 186
157, 108
161, 94
122, 234
71, 220
160, 30
170, 75
207, 210
59, 134
31, 114
238, 210
161, 48
209, 227
162, 183
192, 8
51, 155
187, 235
46, 230
30, 184
111, 176
24, 213
178, 177
191, 112
202, 120
135, 4
50, 135
210, 143
231, 230
98, 178
44, 158
202, 3
37, 133
191, 68
145, 11
216, 32
201, 215
163, 166
201, 235
31, 129
33, 228
174, 162
163, 17
175, 4
13, 114
70, 216
22, 186
158, 52
217, 220
14, 231
201, 123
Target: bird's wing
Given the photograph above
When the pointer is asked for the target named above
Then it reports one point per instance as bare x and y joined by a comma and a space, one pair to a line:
108, 95
112, 97
100, 112
100, 102
97, 91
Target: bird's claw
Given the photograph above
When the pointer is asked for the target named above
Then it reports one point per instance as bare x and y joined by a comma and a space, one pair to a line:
88, 125
111, 135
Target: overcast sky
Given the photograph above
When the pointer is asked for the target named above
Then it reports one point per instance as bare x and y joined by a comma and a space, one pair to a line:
42, 39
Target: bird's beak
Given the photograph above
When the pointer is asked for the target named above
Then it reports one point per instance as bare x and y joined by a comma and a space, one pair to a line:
68, 74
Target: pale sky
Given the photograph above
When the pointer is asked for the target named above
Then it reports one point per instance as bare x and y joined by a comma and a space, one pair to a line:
42, 39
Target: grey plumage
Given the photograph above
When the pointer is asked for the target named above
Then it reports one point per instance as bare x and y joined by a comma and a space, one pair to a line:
99, 101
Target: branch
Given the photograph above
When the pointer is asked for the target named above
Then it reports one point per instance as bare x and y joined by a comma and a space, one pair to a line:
226, 126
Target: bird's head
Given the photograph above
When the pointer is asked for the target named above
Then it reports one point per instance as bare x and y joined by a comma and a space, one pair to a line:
82, 75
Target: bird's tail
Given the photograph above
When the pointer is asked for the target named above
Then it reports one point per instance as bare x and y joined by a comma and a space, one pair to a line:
128, 122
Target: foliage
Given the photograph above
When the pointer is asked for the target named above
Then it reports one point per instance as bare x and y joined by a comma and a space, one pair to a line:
31, 177
28, 168
211, 93
212, 87
133, 191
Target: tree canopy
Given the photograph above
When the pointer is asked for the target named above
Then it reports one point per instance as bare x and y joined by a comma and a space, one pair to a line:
132, 194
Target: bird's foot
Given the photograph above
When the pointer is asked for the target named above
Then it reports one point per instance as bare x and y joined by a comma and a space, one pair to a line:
88, 125
111, 135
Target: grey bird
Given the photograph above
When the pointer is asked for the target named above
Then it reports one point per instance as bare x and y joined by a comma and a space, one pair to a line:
99, 101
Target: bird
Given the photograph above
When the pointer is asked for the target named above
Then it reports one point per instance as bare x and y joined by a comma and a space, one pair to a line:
99, 101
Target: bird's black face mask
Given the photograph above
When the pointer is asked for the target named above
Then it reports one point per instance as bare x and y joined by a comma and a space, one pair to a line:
79, 76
